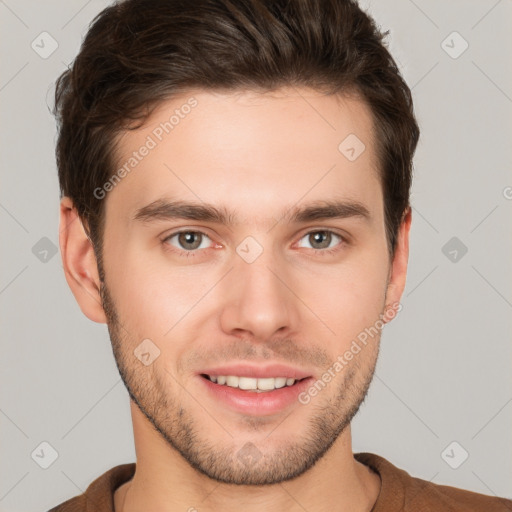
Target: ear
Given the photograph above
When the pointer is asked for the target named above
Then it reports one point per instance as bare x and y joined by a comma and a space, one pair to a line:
79, 262
398, 269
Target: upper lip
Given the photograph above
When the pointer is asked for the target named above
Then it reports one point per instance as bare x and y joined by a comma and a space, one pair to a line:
258, 372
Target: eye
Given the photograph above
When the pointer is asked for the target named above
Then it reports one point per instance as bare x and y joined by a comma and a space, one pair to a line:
322, 240
188, 240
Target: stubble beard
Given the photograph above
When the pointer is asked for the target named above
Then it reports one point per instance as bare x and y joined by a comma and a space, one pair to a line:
186, 434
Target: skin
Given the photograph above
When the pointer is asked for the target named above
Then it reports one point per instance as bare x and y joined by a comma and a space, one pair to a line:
255, 154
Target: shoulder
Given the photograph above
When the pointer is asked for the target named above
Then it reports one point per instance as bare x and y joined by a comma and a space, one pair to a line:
76, 504
100, 493
401, 491
457, 499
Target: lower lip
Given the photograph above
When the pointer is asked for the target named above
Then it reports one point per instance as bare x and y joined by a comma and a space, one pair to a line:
254, 403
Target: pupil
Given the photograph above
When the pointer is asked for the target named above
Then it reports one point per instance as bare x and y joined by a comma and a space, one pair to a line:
188, 238
322, 234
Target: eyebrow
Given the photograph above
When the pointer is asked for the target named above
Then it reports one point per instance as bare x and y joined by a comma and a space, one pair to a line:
165, 209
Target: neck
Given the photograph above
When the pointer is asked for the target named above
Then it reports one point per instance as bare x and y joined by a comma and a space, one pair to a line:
164, 481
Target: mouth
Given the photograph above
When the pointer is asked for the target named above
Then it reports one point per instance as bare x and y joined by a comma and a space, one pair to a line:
262, 396
253, 384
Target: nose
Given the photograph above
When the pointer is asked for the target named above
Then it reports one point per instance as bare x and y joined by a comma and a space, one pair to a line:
258, 299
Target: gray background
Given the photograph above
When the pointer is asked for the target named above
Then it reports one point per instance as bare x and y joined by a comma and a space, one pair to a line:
444, 372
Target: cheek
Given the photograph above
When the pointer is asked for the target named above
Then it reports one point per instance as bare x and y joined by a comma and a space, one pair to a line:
352, 298
153, 297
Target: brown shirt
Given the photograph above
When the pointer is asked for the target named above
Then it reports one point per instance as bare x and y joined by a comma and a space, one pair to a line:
399, 492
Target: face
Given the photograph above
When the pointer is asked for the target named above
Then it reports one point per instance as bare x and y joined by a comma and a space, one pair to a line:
219, 251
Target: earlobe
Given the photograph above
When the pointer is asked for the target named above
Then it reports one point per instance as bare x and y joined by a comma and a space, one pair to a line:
398, 269
79, 262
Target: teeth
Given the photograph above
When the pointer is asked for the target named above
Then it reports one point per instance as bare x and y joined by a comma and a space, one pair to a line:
232, 381
252, 384
244, 383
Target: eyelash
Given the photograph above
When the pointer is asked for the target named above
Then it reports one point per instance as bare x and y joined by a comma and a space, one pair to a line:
193, 253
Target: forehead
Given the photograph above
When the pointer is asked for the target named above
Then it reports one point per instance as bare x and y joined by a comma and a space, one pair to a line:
255, 151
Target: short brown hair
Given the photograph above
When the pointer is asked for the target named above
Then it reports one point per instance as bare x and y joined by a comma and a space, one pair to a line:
138, 53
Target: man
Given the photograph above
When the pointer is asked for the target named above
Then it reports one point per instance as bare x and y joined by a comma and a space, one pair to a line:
235, 182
